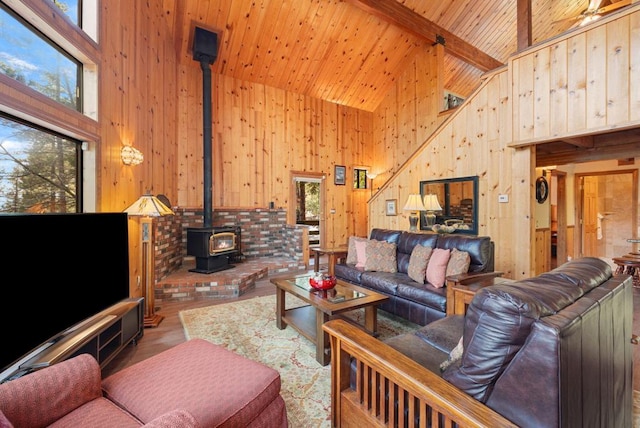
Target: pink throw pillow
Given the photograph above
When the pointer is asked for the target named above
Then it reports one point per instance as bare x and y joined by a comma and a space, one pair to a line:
352, 256
437, 267
361, 251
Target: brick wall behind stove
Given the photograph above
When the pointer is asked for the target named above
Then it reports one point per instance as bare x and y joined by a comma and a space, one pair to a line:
264, 232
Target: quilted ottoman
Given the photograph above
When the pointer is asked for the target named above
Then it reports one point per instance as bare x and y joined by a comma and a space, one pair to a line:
218, 387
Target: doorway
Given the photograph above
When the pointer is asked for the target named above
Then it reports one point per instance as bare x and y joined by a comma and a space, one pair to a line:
558, 218
306, 206
606, 212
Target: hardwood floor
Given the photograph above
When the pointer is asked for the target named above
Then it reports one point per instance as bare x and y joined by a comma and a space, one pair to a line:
170, 332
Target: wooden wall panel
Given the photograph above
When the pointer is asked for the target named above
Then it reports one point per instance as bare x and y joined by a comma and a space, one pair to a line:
577, 84
470, 142
488, 137
138, 107
260, 134
634, 67
567, 86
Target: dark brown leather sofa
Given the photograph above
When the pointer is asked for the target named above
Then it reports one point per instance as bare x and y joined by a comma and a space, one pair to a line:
420, 303
550, 351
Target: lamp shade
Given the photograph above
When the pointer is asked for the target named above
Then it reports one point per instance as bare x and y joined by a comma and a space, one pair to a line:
414, 203
148, 205
431, 203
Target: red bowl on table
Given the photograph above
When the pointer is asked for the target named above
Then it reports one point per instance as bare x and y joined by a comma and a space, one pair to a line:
326, 283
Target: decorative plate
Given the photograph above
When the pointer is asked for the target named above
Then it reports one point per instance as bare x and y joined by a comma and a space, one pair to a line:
542, 190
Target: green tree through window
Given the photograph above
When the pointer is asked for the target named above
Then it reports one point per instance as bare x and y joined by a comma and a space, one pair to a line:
38, 170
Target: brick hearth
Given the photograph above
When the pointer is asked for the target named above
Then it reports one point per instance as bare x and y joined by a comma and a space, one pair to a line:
184, 285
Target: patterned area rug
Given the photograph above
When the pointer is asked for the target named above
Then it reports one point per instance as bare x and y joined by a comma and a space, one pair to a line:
248, 328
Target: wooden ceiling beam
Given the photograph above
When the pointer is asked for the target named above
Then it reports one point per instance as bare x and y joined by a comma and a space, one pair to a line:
524, 25
579, 141
579, 155
398, 14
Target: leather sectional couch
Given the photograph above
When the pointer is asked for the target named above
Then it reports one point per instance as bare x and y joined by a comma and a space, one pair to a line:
415, 302
549, 351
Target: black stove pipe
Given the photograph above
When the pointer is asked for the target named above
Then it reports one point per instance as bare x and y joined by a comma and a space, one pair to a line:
207, 142
205, 50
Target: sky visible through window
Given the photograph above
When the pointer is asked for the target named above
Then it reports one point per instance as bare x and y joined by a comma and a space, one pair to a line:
28, 58
37, 169
70, 8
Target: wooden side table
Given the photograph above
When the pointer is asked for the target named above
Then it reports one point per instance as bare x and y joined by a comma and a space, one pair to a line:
459, 296
630, 263
333, 253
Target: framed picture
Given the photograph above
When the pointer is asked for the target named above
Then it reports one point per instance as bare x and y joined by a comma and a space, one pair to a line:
392, 207
340, 175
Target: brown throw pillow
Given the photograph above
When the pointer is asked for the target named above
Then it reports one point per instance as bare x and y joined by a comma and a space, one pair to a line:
381, 256
459, 262
418, 263
352, 254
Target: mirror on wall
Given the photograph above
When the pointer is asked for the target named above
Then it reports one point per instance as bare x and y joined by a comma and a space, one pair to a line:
450, 202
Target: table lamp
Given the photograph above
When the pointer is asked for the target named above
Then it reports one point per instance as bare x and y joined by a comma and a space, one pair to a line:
148, 206
431, 204
414, 204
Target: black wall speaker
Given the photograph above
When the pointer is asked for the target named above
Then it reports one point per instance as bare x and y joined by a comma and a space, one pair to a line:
205, 45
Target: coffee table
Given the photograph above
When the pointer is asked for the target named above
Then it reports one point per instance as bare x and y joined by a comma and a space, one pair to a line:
323, 306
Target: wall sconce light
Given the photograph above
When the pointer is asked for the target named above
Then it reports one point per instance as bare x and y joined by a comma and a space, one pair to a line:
371, 176
414, 204
131, 155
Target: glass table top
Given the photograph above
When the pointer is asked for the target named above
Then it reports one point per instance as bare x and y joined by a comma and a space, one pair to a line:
338, 293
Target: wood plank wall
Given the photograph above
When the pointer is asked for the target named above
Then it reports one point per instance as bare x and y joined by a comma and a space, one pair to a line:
579, 84
138, 107
151, 96
561, 88
260, 135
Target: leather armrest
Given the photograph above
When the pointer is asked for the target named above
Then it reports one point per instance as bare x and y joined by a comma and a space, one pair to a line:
377, 360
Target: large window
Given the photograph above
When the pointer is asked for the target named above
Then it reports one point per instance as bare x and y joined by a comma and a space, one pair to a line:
38, 169
30, 58
44, 166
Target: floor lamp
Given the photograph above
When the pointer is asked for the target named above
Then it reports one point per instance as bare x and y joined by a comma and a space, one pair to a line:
148, 206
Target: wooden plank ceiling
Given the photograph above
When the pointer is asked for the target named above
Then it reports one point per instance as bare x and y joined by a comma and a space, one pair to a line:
351, 52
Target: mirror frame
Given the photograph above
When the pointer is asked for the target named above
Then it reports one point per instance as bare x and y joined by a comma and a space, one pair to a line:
446, 209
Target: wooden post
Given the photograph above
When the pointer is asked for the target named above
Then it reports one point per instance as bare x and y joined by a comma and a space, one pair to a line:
151, 319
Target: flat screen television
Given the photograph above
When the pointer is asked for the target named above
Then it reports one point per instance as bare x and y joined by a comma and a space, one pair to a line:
59, 270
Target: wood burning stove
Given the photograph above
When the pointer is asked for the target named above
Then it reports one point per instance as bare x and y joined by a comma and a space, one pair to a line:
212, 247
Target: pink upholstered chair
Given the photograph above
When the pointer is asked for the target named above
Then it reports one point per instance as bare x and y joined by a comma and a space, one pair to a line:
194, 384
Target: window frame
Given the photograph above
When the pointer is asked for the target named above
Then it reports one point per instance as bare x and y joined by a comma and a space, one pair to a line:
23, 102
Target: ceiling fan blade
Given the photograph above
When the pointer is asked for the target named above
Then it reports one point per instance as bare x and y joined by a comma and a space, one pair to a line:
594, 5
613, 6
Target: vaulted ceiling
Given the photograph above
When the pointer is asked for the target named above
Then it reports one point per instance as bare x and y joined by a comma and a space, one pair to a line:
351, 52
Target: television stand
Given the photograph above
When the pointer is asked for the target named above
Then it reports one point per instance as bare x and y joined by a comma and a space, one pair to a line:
103, 336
